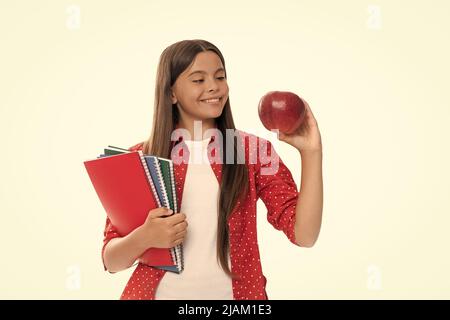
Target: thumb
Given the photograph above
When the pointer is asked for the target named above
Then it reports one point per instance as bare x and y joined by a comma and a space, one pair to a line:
160, 212
283, 137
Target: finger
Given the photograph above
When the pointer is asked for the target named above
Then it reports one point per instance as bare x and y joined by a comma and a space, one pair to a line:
177, 218
181, 226
306, 105
160, 212
285, 137
177, 242
180, 235
308, 110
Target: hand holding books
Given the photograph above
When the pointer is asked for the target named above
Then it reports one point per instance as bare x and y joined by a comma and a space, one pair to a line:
163, 229
130, 185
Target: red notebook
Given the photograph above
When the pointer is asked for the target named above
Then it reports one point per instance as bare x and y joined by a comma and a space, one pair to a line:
123, 186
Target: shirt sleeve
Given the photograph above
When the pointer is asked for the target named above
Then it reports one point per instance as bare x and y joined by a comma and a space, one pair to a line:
277, 189
109, 233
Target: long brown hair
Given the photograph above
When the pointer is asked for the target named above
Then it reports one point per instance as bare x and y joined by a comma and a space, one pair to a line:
234, 184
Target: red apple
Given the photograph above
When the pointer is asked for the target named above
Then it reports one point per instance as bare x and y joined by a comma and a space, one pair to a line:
281, 110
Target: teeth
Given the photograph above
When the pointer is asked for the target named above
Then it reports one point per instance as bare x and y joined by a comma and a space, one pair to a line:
212, 100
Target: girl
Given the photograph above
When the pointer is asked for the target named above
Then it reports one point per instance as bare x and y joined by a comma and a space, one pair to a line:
217, 219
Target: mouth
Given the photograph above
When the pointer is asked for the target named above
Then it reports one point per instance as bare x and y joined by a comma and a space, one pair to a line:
212, 101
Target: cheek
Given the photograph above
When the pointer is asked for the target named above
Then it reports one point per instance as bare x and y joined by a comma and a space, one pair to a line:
225, 85
226, 92
191, 100
194, 93
191, 94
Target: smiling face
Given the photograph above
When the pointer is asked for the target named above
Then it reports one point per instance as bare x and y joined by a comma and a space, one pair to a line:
204, 79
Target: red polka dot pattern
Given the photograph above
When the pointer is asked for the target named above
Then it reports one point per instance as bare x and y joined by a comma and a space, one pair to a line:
277, 190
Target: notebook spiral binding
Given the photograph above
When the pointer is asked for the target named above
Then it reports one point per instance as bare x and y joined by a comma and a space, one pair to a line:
149, 178
163, 189
177, 251
175, 204
173, 251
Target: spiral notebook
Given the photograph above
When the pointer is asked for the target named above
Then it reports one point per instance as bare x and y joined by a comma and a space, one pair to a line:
163, 177
129, 185
162, 174
168, 175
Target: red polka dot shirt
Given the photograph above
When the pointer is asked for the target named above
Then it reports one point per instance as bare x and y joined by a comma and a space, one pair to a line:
276, 189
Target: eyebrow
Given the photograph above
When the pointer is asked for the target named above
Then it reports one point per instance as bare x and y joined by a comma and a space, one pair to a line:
201, 71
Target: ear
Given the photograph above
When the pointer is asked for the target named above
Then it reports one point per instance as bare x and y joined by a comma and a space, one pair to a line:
173, 97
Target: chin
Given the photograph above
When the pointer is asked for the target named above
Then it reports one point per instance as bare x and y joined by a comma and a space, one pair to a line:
212, 113
217, 114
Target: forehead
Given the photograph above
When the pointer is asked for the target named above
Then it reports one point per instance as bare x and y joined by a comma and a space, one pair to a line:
207, 62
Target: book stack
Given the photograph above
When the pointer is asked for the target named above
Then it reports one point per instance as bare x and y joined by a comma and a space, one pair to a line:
129, 184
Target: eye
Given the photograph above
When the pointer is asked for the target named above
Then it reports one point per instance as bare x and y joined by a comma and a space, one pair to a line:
201, 80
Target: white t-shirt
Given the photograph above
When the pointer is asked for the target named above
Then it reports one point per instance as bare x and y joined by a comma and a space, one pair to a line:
202, 278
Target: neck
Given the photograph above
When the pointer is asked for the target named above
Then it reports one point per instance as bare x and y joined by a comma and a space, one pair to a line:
197, 128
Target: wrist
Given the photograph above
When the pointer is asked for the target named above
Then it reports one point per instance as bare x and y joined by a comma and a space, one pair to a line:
141, 238
311, 152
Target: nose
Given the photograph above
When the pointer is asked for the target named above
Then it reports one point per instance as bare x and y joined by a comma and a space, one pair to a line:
213, 85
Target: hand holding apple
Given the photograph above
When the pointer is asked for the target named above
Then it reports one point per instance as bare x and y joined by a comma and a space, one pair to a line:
293, 117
